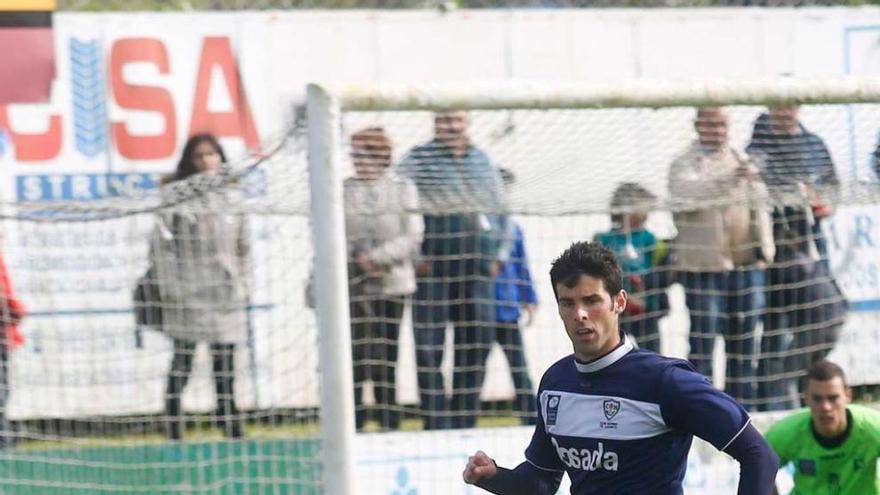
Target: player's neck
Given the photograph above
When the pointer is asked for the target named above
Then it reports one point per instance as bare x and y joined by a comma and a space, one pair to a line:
604, 361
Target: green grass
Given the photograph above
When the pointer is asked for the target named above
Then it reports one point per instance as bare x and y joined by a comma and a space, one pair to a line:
272, 460
289, 431
260, 432
256, 465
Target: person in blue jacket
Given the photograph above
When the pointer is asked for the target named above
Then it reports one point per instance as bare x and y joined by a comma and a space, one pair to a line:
514, 292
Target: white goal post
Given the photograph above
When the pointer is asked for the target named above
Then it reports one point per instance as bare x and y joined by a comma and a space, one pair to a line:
328, 133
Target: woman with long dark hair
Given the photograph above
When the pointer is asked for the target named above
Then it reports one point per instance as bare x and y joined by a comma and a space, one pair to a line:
201, 253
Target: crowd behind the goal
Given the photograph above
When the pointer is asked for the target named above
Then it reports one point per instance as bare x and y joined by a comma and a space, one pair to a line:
749, 247
432, 231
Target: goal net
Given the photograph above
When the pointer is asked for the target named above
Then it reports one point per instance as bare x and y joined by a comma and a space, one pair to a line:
215, 390
365, 302
745, 231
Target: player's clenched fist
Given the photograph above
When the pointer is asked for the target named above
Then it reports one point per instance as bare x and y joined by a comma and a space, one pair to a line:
479, 466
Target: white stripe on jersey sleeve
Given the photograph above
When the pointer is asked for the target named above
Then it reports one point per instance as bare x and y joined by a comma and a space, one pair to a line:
748, 422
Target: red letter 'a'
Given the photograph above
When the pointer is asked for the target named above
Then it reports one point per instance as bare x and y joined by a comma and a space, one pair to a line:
34, 147
216, 51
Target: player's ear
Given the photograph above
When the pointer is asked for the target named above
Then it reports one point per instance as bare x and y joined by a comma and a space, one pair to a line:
620, 301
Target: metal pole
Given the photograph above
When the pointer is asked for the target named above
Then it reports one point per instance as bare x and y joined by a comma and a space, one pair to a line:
331, 291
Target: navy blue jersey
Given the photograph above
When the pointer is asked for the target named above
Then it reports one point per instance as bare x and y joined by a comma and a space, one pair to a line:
624, 423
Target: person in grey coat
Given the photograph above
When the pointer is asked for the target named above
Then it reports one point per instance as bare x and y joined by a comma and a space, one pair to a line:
384, 235
201, 253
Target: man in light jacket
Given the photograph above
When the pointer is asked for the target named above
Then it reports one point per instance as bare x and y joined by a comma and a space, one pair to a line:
384, 234
724, 241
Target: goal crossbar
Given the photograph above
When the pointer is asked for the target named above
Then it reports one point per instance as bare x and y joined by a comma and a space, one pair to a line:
572, 95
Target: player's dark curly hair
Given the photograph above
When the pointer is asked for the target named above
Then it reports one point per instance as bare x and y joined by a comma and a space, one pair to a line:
586, 258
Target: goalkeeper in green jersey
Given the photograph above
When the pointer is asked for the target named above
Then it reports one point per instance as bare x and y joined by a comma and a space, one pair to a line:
835, 446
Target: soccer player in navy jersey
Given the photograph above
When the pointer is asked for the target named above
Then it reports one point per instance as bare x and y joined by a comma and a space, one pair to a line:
617, 419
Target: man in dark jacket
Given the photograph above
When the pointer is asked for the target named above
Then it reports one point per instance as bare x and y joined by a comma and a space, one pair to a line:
462, 252
805, 307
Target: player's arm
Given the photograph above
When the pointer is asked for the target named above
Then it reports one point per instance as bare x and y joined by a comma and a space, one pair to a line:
539, 475
758, 463
525, 479
692, 404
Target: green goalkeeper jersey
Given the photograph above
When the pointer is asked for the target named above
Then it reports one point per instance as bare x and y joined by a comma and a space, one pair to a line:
849, 468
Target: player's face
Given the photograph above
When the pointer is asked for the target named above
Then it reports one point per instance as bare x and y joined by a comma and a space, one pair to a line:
590, 316
206, 157
827, 401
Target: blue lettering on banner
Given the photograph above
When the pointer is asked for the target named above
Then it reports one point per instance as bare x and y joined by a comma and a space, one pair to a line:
82, 187
853, 235
89, 187
864, 231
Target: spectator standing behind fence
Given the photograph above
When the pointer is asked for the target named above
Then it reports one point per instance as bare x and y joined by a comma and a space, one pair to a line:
201, 252
514, 292
460, 193
806, 308
384, 233
724, 239
13, 312
795, 162
643, 261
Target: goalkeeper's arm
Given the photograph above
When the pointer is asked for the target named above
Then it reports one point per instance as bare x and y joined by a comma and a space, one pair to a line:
524, 479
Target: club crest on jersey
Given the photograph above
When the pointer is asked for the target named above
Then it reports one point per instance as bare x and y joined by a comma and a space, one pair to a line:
610, 407
552, 409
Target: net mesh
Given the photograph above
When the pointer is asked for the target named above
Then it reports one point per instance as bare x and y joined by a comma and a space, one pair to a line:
453, 314
215, 391
742, 233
